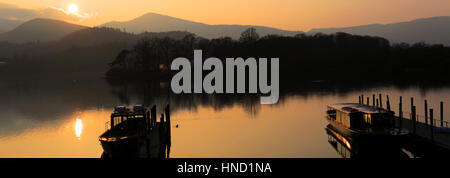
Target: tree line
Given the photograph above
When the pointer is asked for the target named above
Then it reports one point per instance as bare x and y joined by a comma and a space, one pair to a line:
338, 56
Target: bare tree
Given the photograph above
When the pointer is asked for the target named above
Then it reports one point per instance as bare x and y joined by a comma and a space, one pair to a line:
249, 35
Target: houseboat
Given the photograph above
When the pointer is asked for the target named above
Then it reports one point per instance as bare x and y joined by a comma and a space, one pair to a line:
359, 120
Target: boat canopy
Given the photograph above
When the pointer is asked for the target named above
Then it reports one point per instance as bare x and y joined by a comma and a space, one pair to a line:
355, 107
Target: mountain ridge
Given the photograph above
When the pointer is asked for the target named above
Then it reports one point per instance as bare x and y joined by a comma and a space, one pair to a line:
40, 29
432, 30
154, 22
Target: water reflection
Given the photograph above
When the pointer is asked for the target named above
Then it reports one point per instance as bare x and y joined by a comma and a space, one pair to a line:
352, 147
38, 117
78, 128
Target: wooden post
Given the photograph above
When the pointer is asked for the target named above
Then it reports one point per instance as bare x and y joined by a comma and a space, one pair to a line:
373, 99
400, 109
400, 113
381, 100
442, 114
169, 137
367, 101
359, 99
168, 115
413, 118
161, 119
431, 123
426, 112
388, 104
153, 113
377, 102
149, 120
362, 99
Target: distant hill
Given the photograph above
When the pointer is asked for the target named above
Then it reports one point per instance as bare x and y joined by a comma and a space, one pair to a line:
152, 22
103, 35
39, 30
434, 30
7, 25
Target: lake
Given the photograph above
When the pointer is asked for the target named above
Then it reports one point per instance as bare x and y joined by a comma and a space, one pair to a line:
64, 118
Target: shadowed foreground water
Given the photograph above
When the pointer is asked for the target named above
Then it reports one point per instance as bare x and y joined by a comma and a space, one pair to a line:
63, 118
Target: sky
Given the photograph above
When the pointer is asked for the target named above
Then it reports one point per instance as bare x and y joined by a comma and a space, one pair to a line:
284, 14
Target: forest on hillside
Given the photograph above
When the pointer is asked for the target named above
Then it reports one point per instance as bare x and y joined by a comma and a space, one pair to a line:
100, 52
337, 57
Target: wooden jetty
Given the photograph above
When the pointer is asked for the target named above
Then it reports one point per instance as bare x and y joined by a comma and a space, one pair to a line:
137, 134
427, 132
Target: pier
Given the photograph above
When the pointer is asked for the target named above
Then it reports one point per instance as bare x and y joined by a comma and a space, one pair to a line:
428, 132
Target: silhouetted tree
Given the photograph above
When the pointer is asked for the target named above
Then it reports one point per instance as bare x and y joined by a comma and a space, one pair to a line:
249, 35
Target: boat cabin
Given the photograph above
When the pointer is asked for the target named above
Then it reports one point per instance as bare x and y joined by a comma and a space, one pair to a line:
359, 116
122, 113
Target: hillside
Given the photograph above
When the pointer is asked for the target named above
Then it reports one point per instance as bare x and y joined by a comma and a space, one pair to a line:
434, 30
152, 22
41, 30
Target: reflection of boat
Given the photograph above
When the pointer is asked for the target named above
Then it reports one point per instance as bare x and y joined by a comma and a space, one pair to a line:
349, 147
357, 120
136, 133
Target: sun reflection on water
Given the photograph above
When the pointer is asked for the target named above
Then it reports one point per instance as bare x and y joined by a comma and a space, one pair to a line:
78, 128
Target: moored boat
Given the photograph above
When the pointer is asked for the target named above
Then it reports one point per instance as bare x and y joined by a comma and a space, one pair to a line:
127, 130
361, 121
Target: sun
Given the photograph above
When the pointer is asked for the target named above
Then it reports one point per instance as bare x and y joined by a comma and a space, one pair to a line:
73, 8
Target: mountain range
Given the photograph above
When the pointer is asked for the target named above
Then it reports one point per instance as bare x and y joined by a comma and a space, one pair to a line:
433, 30
152, 22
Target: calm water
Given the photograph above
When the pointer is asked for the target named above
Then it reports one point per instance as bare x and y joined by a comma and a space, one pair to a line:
63, 118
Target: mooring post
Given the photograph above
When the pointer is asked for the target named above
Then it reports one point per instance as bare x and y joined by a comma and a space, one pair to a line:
388, 104
149, 120
362, 99
168, 136
377, 102
381, 100
431, 123
153, 113
426, 112
442, 114
413, 117
400, 113
400, 110
359, 99
168, 115
367, 101
161, 120
373, 99
412, 103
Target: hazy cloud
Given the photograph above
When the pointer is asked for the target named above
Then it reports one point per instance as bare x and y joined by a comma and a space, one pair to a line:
80, 15
12, 12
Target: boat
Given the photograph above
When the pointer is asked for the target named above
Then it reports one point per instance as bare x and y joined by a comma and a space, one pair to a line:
362, 121
135, 133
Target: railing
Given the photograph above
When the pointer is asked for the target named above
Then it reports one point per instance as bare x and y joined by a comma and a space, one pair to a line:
426, 120
107, 125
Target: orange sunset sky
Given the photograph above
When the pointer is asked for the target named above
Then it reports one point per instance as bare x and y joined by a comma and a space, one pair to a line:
285, 14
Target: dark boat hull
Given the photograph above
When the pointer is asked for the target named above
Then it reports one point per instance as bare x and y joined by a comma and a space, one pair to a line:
366, 136
127, 148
